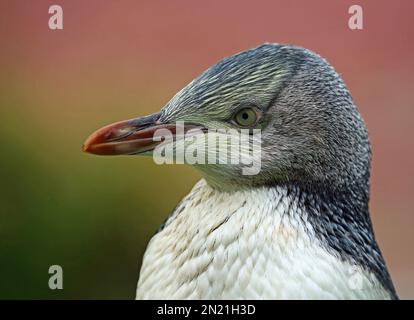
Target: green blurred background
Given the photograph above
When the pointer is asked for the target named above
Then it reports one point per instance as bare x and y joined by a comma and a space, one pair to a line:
115, 60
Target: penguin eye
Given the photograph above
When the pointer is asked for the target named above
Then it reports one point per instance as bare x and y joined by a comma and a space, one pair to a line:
246, 117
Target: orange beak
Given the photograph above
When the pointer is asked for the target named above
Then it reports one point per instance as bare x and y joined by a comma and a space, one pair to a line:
129, 137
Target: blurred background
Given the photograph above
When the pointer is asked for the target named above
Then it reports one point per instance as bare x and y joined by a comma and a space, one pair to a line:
116, 60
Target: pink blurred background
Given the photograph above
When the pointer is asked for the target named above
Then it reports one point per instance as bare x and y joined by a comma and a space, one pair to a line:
119, 59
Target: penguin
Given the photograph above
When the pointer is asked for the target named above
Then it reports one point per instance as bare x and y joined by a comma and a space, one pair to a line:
300, 227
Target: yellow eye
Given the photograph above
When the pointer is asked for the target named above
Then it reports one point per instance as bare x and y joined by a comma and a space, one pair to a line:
246, 117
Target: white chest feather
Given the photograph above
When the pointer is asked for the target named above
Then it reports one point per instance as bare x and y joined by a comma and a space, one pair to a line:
246, 245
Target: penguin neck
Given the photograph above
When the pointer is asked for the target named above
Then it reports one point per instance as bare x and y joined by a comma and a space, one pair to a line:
273, 230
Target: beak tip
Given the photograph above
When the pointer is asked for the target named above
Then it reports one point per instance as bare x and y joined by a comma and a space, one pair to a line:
89, 143
85, 148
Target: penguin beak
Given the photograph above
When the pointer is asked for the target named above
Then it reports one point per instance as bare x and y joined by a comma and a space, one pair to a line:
124, 137
134, 136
